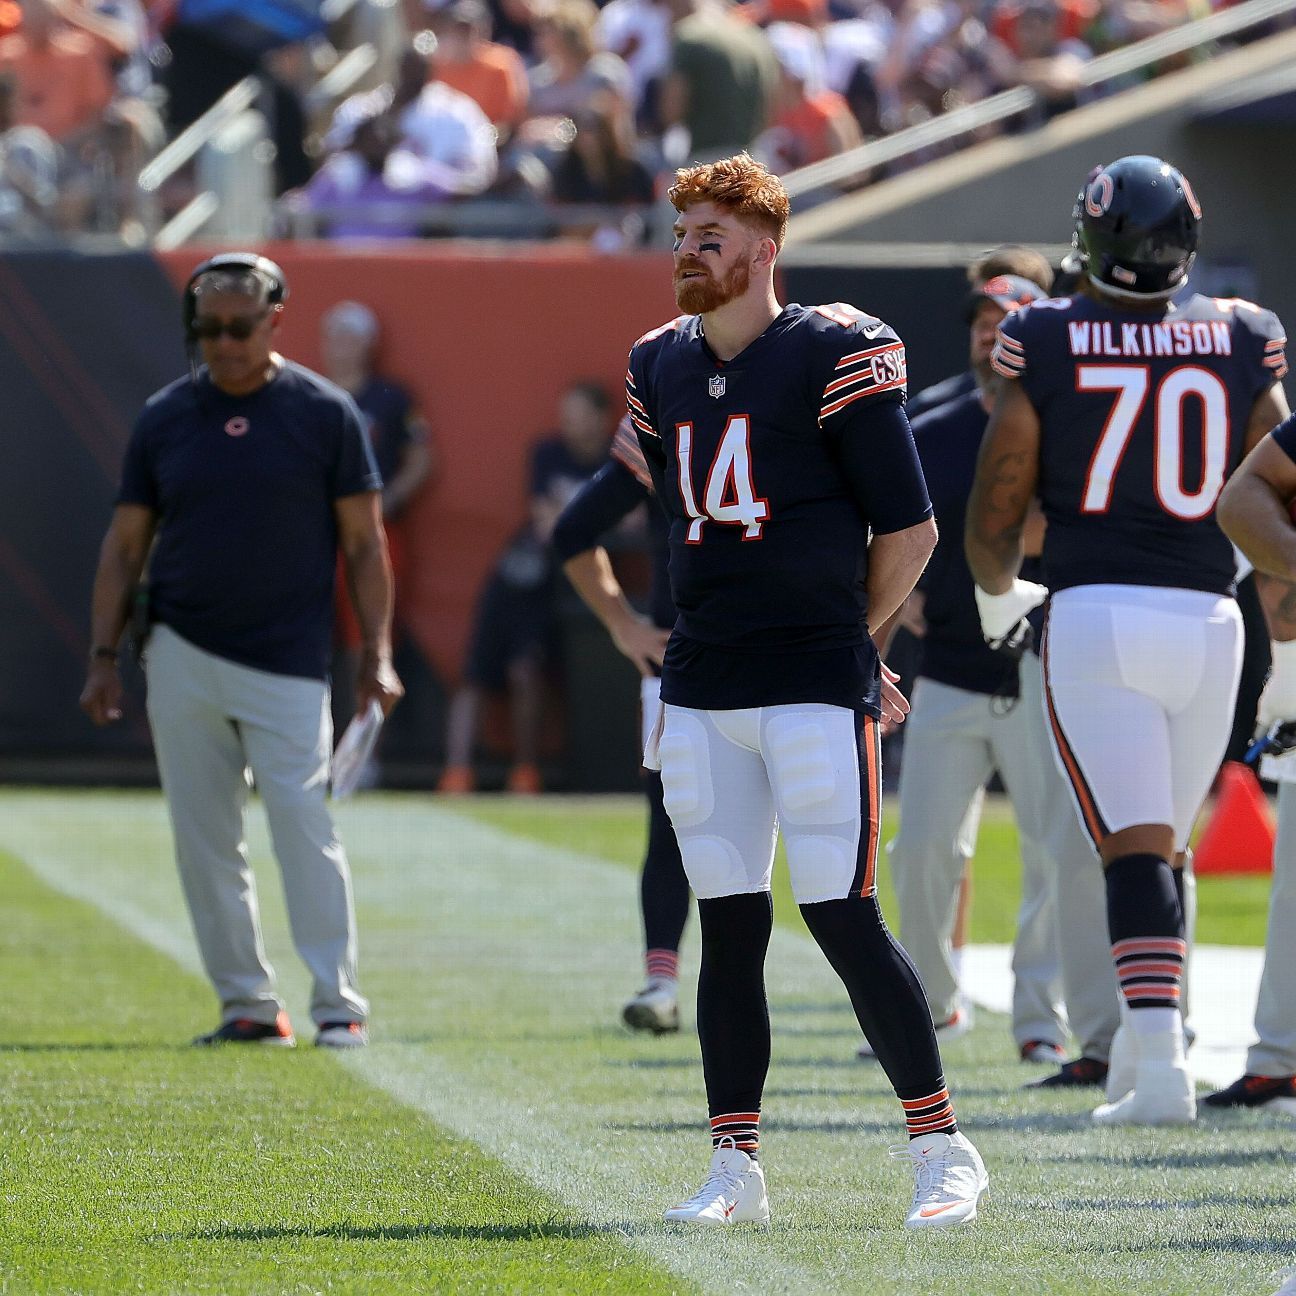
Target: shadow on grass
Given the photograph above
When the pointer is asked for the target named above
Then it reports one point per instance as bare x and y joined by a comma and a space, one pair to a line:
94, 1046
1200, 1159
1237, 1243
534, 1231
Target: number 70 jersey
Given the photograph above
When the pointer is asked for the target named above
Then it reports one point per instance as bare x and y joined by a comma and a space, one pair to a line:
1143, 415
768, 531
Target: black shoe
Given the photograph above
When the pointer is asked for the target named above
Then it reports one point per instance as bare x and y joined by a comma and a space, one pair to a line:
243, 1030
1079, 1071
1278, 1093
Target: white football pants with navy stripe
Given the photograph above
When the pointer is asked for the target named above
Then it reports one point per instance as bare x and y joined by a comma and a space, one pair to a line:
212, 721
954, 739
732, 780
1275, 1015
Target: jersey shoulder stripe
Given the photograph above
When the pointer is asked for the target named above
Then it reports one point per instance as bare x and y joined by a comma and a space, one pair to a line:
636, 412
627, 452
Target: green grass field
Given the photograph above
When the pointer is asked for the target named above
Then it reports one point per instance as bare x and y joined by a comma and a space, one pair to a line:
503, 1134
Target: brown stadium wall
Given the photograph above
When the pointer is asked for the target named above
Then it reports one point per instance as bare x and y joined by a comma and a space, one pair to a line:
486, 339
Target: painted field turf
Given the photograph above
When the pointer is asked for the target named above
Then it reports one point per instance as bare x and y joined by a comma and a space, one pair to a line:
503, 1134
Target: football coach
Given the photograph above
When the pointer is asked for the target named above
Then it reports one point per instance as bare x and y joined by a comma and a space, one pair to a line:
240, 484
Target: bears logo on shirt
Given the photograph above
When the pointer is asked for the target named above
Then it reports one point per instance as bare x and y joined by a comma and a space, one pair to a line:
237, 426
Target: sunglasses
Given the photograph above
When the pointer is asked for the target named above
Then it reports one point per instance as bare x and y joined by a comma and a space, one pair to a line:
240, 328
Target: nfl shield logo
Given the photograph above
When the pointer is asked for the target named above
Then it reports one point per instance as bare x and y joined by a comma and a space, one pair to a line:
715, 387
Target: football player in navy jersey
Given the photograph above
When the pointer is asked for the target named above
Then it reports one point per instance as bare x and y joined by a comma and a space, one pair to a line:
1126, 410
615, 491
779, 449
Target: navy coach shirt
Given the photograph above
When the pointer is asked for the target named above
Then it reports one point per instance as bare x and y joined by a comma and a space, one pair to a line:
244, 487
954, 651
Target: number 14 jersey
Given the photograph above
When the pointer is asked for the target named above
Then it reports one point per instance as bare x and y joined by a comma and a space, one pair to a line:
1143, 415
772, 468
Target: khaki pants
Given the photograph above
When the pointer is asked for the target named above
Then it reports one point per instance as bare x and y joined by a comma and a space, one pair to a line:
212, 722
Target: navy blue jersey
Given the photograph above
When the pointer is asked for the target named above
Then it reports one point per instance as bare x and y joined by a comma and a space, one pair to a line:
772, 467
941, 393
243, 488
1143, 415
385, 410
954, 651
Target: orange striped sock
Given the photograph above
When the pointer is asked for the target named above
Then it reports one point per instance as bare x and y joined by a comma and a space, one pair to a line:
929, 1113
743, 1128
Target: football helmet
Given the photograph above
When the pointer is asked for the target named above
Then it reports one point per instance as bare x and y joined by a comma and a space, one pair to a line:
1136, 227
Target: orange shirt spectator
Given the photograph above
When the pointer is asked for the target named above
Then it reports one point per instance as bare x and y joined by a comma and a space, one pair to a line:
492, 74
1073, 19
63, 80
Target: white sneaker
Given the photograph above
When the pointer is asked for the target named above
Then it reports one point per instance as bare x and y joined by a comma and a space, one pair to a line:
732, 1193
1122, 1063
655, 1008
959, 1024
949, 1178
1163, 1094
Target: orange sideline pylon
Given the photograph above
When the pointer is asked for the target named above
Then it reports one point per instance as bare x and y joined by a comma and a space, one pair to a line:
1239, 835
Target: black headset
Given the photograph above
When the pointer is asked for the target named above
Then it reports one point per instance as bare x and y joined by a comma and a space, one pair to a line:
246, 261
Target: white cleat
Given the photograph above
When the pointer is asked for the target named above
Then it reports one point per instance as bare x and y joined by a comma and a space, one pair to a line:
1122, 1063
1163, 1094
732, 1193
959, 1024
655, 1008
949, 1178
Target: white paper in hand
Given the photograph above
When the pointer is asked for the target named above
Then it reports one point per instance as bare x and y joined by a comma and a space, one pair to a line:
355, 749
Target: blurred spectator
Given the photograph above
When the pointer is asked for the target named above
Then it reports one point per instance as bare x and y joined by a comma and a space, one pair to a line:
435, 143
63, 77
29, 165
1049, 59
639, 33
602, 165
402, 449
811, 122
374, 189
722, 80
490, 74
571, 69
512, 638
214, 44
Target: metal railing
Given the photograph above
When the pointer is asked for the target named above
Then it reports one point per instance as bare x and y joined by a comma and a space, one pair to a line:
237, 99
858, 162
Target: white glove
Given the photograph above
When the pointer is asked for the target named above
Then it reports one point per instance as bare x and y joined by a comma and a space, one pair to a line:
1278, 701
1000, 613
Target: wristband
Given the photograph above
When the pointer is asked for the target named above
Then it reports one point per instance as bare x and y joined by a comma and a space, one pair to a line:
103, 651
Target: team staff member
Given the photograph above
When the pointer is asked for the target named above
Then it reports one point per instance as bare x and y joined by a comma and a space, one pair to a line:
1126, 411
776, 441
244, 480
966, 723
616, 490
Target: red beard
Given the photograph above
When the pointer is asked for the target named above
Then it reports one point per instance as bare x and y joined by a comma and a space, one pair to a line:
700, 296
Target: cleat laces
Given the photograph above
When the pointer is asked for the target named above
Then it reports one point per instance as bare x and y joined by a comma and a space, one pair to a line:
930, 1174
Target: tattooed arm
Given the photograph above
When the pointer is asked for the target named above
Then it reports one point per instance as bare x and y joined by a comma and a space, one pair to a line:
1006, 477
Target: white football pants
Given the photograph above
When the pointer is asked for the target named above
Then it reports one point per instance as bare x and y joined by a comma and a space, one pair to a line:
733, 779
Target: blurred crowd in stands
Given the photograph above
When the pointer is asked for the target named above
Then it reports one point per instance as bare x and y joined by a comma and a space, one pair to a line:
382, 113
